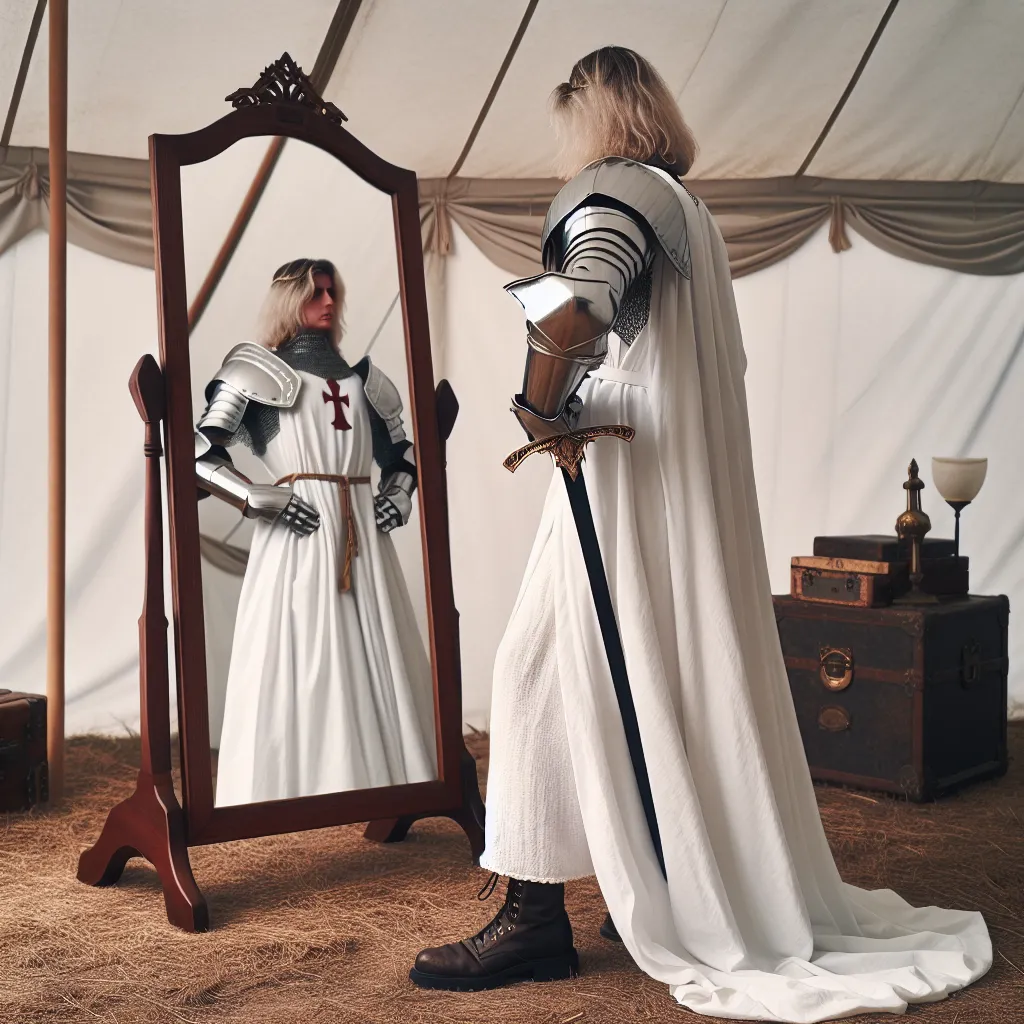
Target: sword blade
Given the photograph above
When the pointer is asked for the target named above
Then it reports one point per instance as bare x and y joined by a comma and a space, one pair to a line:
582, 513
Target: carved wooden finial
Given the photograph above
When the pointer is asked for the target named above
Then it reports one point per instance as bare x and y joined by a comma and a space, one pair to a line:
285, 82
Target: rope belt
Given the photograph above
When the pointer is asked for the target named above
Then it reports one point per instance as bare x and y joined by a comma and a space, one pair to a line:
348, 519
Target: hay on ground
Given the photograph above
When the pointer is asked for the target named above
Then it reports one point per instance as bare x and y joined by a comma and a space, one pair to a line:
322, 927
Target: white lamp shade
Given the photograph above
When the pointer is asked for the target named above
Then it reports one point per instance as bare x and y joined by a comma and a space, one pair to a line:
959, 479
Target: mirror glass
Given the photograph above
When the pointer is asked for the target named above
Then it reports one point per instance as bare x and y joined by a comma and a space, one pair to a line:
318, 668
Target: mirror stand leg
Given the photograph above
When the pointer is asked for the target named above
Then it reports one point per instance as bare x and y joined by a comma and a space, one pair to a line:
469, 816
149, 824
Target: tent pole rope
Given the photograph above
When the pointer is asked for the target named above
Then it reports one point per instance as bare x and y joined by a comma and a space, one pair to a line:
495, 86
848, 91
323, 67
19, 82
55, 634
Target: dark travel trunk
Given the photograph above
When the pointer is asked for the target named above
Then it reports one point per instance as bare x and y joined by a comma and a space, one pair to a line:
910, 699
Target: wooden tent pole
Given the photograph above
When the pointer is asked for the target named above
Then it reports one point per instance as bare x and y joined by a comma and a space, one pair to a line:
58, 393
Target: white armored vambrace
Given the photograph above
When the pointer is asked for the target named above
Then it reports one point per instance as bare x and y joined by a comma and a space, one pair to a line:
250, 373
601, 236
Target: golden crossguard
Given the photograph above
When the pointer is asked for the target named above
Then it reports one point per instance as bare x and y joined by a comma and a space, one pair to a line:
567, 449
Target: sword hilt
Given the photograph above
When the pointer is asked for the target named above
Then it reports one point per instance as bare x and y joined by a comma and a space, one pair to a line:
567, 449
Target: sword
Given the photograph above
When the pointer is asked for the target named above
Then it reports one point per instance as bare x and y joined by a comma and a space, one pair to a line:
567, 451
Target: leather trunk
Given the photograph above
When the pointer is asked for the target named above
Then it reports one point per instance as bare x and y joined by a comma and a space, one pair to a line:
909, 699
24, 778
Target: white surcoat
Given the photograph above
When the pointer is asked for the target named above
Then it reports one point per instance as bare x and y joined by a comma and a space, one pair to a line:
327, 691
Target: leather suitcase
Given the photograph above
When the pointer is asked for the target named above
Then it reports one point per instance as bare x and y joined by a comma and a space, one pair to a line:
24, 779
908, 699
873, 584
836, 586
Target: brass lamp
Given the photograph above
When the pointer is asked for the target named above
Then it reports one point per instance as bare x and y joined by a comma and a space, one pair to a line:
912, 525
958, 481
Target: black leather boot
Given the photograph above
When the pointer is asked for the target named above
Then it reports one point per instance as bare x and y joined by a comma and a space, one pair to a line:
530, 939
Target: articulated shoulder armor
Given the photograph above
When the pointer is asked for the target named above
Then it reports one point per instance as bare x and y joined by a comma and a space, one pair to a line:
599, 255
382, 394
649, 192
251, 373
259, 375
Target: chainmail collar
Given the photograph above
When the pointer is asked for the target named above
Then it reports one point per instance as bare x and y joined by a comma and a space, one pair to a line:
312, 352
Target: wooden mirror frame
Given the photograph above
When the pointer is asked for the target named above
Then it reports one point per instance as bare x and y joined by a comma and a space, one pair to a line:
151, 823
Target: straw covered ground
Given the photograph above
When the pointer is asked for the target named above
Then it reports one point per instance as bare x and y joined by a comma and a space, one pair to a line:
322, 927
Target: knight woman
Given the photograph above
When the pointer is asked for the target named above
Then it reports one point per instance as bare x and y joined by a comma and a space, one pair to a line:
329, 686
634, 322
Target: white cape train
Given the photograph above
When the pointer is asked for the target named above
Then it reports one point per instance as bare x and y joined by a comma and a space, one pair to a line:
754, 921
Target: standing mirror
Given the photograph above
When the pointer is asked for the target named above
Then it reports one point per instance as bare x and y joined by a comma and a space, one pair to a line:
315, 630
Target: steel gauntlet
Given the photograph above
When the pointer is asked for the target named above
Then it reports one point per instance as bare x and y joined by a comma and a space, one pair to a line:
217, 476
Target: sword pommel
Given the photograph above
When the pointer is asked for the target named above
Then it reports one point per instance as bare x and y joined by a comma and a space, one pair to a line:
567, 449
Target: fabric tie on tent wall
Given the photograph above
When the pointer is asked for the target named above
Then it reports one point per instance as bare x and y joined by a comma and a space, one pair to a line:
109, 210
973, 227
503, 217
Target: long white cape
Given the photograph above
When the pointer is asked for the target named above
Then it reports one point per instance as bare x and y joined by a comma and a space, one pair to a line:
754, 921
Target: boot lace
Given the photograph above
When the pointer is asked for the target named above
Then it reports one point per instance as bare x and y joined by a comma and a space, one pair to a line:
505, 920
489, 886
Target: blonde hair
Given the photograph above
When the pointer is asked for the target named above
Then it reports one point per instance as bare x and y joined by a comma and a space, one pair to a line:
280, 316
616, 104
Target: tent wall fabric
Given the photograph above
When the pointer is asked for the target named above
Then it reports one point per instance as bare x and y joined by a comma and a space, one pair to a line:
105, 483
855, 365
109, 211
872, 342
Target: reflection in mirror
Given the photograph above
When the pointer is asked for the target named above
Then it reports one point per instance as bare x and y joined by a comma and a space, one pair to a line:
318, 675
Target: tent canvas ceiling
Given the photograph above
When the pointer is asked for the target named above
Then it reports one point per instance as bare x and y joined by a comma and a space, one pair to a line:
940, 98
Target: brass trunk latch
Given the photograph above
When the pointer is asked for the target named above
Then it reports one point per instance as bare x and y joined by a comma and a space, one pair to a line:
836, 667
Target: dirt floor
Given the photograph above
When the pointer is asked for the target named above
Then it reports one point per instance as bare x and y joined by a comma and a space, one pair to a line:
323, 926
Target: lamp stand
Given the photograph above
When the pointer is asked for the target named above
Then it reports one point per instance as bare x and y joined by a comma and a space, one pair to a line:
958, 507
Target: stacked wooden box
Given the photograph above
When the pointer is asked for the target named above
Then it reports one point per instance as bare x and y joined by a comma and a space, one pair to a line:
904, 697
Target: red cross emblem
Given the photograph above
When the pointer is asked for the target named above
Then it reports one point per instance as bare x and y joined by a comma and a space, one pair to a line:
338, 399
